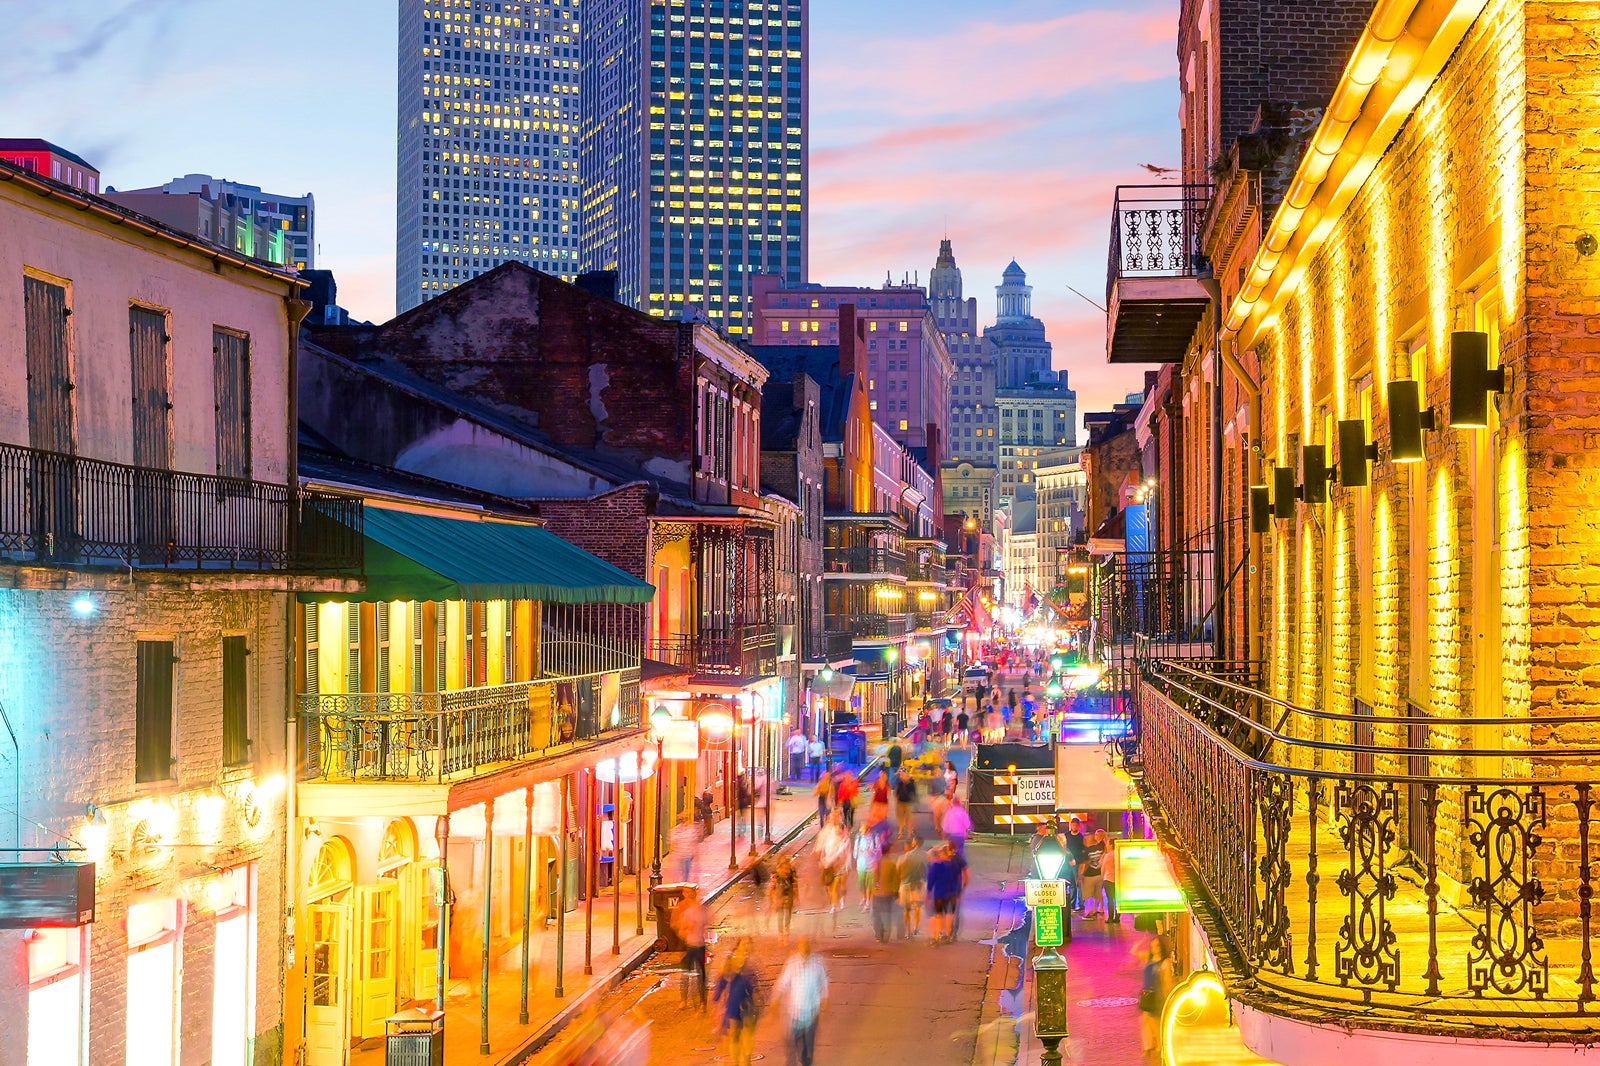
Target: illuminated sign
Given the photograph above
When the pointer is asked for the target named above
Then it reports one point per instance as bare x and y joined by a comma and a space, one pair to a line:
1038, 893
680, 740
46, 894
1047, 927
1144, 883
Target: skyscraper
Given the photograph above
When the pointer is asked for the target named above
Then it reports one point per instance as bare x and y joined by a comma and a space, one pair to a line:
488, 141
693, 152
973, 417
1037, 412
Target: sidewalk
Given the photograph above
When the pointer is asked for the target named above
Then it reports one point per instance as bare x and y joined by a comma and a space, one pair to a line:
511, 1042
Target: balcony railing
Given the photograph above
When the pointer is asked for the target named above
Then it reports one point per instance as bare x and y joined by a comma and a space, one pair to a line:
65, 510
1327, 846
864, 560
871, 625
1155, 231
837, 645
744, 652
440, 736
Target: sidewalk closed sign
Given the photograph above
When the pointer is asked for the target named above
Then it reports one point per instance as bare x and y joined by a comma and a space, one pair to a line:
1035, 790
1044, 893
1047, 927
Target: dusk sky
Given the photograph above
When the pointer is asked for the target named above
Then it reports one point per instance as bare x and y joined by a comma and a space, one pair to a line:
1004, 123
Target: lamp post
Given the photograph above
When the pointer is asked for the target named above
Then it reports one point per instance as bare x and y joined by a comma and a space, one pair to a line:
1049, 968
658, 726
826, 674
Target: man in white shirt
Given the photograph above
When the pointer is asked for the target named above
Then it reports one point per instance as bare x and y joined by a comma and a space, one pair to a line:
818, 750
797, 754
803, 987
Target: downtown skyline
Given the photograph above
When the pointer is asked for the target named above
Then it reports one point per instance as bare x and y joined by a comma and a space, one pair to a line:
1012, 159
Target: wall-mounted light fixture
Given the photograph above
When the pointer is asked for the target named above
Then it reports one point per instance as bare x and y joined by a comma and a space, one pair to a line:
1472, 380
1407, 420
1260, 508
1314, 473
1283, 492
1355, 454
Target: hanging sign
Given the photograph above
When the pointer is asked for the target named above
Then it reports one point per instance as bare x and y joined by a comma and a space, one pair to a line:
680, 740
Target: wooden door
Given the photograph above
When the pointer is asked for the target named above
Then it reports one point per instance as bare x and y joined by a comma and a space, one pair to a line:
53, 484
152, 433
374, 985
421, 887
327, 1006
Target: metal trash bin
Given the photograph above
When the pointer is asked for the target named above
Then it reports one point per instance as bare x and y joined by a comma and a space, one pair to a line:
665, 899
891, 724
414, 1037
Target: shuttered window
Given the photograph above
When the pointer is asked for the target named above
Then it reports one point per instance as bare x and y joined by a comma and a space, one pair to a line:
417, 647
441, 646
235, 702
313, 681
352, 645
45, 315
231, 358
153, 711
383, 647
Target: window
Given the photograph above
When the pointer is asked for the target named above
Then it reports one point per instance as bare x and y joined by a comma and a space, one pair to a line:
155, 935
352, 647
153, 711
55, 995
49, 369
231, 359
235, 701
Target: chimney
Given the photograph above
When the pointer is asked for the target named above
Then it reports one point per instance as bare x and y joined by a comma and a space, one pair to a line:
847, 340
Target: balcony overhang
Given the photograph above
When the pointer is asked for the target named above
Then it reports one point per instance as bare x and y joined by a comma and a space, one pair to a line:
1152, 319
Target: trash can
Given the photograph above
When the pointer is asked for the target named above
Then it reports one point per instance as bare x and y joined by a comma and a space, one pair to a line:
414, 1037
664, 899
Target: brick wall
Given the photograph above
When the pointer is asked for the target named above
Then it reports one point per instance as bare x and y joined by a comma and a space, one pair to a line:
614, 526
69, 682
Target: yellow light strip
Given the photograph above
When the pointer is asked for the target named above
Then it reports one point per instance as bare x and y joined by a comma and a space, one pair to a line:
1405, 45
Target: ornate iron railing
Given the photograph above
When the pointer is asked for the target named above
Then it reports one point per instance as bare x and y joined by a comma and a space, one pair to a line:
439, 736
65, 510
864, 560
745, 652
1155, 231
836, 645
1409, 872
872, 625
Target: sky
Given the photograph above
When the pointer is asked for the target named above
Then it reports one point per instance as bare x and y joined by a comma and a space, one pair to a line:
1003, 124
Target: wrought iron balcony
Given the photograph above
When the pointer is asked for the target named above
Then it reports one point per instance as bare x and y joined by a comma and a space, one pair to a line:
444, 736
1419, 872
837, 645
864, 561
65, 510
1153, 290
870, 625
744, 653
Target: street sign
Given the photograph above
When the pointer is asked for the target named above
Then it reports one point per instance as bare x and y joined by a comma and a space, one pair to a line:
1035, 790
1047, 932
1044, 893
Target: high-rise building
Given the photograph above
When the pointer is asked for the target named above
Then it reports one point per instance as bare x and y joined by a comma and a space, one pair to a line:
908, 366
488, 141
1021, 352
279, 229
693, 152
973, 416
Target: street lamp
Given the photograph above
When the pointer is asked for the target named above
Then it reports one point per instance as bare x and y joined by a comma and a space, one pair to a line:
1048, 858
658, 729
1049, 968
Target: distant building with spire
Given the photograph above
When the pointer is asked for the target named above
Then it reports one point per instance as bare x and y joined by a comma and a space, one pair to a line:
1036, 413
973, 419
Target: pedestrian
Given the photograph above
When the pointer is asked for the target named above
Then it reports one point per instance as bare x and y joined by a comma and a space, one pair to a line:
1156, 986
913, 885
1073, 842
947, 725
685, 843
817, 751
905, 801
1091, 880
961, 727
958, 859
1108, 869
868, 853
1005, 717
706, 811
692, 922
833, 857
797, 754
951, 780
785, 893
886, 897
736, 991
955, 825
823, 790
844, 794
879, 811
803, 986
943, 886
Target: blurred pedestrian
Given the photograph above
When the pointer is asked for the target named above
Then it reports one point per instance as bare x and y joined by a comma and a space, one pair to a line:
824, 791
1091, 879
879, 810
868, 853
886, 897
833, 858
803, 986
736, 991
692, 922
905, 802
1108, 869
1157, 985
962, 721
947, 724
785, 892
844, 797
686, 838
956, 824
816, 750
1073, 870
913, 885
943, 885
952, 780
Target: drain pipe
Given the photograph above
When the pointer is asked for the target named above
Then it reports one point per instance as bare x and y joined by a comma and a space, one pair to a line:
1218, 565
1227, 348
16, 769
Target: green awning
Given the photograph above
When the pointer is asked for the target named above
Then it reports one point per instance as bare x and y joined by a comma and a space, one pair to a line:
412, 556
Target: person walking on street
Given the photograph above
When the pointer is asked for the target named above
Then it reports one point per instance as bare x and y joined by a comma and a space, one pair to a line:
1108, 869
1072, 871
1091, 879
913, 886
955, 825
886, 897
958, 859
736, 991
817, 752
905, 801
692, 922
943, 881
845, 797
797, 754
947, 724
833, 857
823, 790
1157, 985
803, 987
952, 781
785, 893
868, 854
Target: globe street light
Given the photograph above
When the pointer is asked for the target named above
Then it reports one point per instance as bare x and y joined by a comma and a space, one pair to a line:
658, 730
1050, 969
